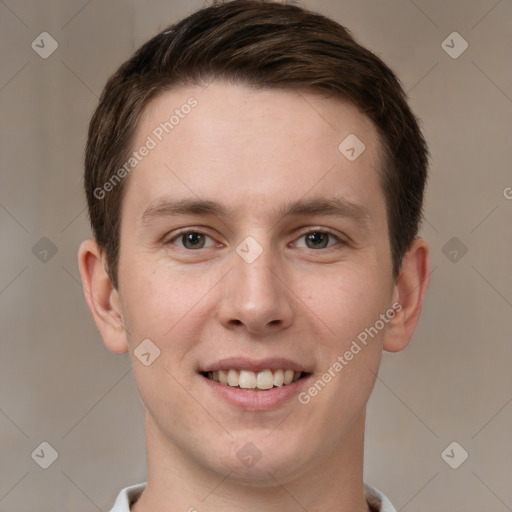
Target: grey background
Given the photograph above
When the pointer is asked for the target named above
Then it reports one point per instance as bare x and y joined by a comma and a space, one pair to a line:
59, 384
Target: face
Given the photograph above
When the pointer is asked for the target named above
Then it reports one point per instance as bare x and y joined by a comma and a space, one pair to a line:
250, 241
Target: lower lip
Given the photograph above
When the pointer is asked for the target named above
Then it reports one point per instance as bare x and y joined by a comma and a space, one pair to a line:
259, 400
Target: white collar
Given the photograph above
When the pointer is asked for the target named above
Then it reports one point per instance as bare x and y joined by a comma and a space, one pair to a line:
130, 495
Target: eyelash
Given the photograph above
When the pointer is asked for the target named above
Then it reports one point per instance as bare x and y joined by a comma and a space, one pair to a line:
180, 234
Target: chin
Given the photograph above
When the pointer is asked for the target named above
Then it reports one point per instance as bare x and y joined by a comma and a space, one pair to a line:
260, 461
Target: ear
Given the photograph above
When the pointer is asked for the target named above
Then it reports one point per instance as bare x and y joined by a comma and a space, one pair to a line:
102, 297
410, 289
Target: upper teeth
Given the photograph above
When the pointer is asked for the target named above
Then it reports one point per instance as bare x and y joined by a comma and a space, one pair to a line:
247, 379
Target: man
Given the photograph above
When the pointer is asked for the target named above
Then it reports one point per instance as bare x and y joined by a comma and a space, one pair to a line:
255, 182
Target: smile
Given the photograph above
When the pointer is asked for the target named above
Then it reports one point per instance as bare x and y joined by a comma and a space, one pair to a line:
250, 380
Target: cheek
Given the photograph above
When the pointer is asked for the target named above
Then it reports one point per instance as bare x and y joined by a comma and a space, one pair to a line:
167, 306
152, 291
164, 307
350, 304
164, 392
347, 301
349, 348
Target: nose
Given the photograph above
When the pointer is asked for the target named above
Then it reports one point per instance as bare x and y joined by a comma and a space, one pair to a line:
256, 296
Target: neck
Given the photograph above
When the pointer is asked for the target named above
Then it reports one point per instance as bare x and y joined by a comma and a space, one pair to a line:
331, 483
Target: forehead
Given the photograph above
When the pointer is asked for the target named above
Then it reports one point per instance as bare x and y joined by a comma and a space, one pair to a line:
254, 148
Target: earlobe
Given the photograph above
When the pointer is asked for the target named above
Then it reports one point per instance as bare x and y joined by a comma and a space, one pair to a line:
102, 297
410, 289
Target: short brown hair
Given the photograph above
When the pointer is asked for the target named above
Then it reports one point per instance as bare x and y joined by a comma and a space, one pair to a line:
267, 45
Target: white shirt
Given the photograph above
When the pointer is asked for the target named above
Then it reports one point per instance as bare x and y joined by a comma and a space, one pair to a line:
130, 495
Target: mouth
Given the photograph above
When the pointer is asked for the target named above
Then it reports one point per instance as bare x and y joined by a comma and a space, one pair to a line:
252, 384
249, 380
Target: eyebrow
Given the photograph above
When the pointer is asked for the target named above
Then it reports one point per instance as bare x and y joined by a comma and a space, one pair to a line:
333, 206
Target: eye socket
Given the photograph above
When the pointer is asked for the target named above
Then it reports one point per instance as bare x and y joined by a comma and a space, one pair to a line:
318, 239
191, 240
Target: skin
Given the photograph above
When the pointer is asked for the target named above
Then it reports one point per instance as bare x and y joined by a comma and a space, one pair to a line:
253, 152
